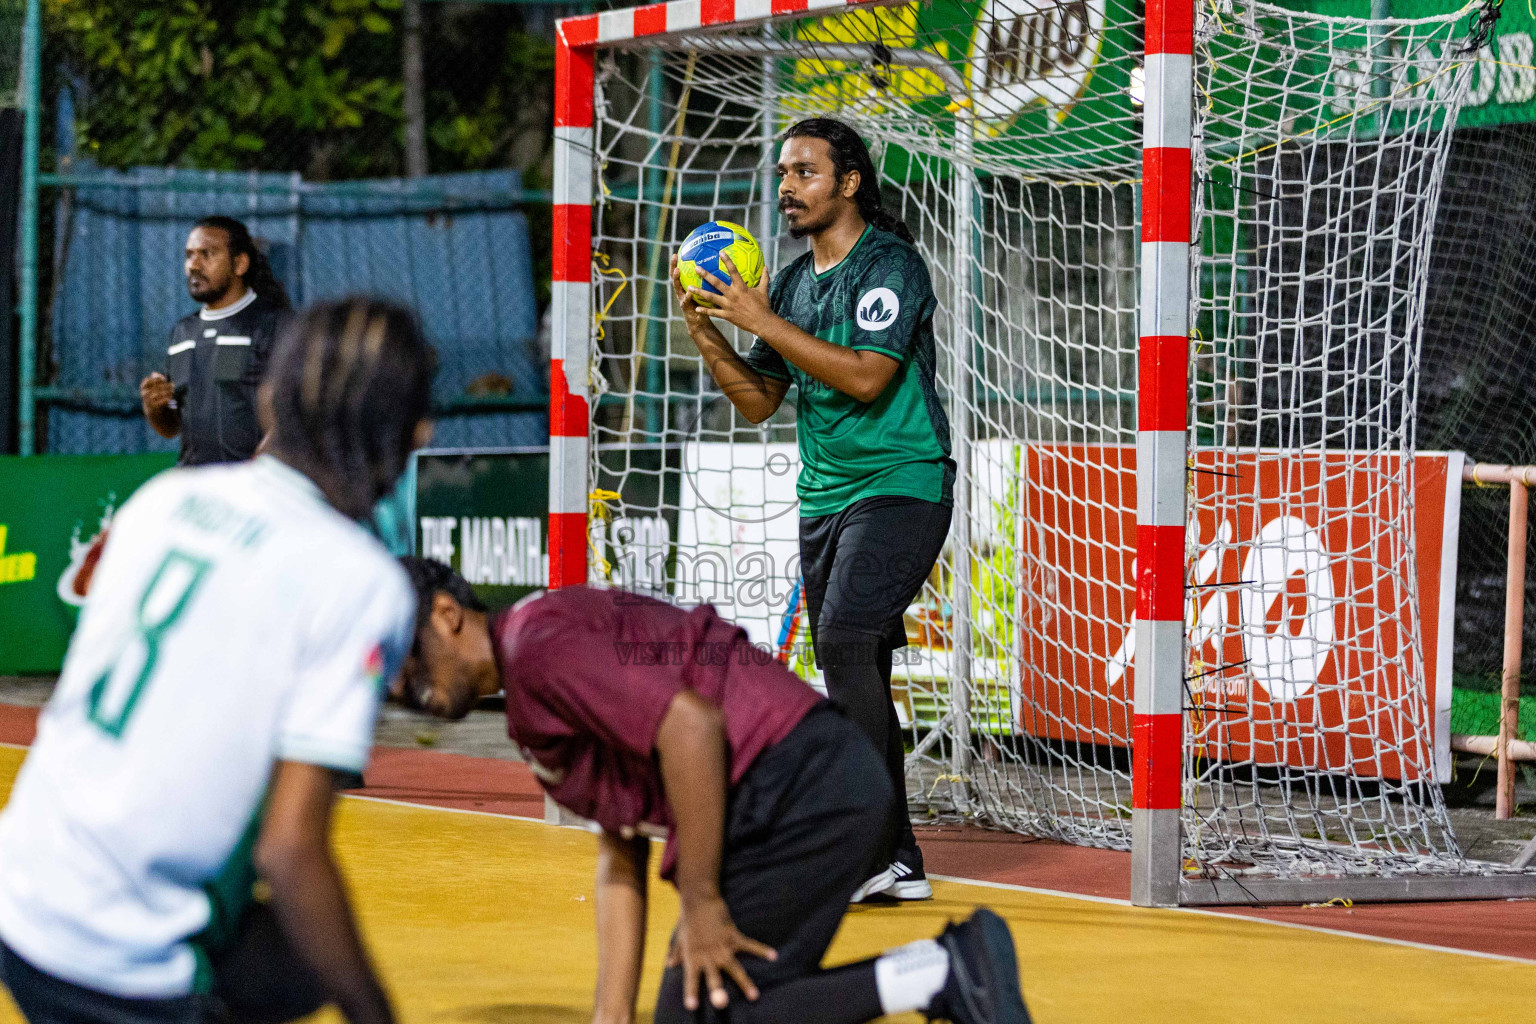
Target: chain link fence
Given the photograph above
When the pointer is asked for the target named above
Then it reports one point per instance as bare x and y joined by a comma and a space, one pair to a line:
12, 15
387, 146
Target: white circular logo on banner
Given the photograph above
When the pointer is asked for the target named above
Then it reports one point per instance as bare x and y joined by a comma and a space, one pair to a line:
877, 309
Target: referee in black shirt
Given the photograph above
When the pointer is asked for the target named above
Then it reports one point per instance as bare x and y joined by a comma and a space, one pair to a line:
216, 356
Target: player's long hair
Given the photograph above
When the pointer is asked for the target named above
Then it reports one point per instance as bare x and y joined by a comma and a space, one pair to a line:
259, 277
349, 382
849, 153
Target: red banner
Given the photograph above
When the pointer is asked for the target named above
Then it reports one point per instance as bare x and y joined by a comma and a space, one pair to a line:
1299, 604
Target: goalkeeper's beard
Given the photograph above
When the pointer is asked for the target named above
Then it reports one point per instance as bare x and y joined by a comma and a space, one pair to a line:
798, 231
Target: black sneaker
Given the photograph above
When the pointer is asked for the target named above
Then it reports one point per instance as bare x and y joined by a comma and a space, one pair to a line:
983, 982
911, 883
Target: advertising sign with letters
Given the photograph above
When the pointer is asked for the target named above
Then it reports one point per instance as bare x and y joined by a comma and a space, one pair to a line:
1299, 612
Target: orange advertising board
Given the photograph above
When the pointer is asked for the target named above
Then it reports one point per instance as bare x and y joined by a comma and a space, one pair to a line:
1303, 591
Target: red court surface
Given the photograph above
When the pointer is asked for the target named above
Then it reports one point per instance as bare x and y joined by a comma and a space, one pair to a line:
459, 782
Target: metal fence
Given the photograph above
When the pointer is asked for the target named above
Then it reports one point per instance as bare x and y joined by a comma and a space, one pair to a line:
455, 248
377, 146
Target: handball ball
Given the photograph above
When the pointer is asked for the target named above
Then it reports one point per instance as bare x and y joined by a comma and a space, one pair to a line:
705, 245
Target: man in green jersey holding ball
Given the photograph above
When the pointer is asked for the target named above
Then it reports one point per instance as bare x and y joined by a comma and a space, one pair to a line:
851, 324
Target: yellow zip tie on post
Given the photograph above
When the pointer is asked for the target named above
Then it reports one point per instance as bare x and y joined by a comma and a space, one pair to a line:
598, 503
944, 778
604, 268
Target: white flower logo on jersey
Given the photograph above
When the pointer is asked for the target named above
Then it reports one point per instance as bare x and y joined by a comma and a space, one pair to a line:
877, 309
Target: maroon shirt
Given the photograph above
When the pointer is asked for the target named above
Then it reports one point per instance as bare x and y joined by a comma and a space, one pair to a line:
589, 675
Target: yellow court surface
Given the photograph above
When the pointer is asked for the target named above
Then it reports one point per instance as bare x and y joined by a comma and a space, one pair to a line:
488, 920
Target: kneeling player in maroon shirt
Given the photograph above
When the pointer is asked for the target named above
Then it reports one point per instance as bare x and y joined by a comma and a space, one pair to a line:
641, 716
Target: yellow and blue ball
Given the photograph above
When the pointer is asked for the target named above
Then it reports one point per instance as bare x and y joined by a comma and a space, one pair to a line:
705, 245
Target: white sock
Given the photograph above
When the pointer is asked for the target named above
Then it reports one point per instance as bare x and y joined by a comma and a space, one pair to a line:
908, 977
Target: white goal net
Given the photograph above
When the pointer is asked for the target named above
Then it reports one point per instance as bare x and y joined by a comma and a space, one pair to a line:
1008, 134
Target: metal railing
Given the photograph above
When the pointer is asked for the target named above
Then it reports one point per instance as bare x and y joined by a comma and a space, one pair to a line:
31, 149
1507, 746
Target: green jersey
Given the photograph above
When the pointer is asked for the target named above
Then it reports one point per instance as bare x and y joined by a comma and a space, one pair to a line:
878, 299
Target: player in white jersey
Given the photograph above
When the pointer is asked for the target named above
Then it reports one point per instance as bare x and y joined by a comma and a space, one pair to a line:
240, 630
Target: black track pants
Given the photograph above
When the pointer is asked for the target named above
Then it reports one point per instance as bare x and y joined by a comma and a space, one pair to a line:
862, 568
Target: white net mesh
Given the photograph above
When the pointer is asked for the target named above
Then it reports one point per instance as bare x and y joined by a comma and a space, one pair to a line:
1009, 139
1315, 222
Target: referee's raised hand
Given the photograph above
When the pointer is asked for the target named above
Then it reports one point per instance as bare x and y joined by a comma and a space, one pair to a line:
156, 392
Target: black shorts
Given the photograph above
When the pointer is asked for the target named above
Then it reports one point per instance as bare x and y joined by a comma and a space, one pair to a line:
805, 827
259, 979
863, 566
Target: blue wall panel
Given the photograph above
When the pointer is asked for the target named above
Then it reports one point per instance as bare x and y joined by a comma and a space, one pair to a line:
451, 246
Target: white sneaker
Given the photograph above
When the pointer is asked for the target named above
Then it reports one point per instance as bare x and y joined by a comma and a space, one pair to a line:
879, 883
908, 881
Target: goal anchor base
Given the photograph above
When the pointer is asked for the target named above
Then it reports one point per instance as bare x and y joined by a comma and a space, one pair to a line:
1219, 891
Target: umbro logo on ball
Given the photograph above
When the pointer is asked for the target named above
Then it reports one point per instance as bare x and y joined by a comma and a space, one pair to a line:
700, 239
877, 309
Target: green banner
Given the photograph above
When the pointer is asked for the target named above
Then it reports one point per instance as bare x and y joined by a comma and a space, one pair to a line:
1058, 83
51, 508
1503, 86
1049, 82
486, 514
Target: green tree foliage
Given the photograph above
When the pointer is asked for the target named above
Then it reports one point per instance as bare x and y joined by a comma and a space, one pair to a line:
490, 89
306, 85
